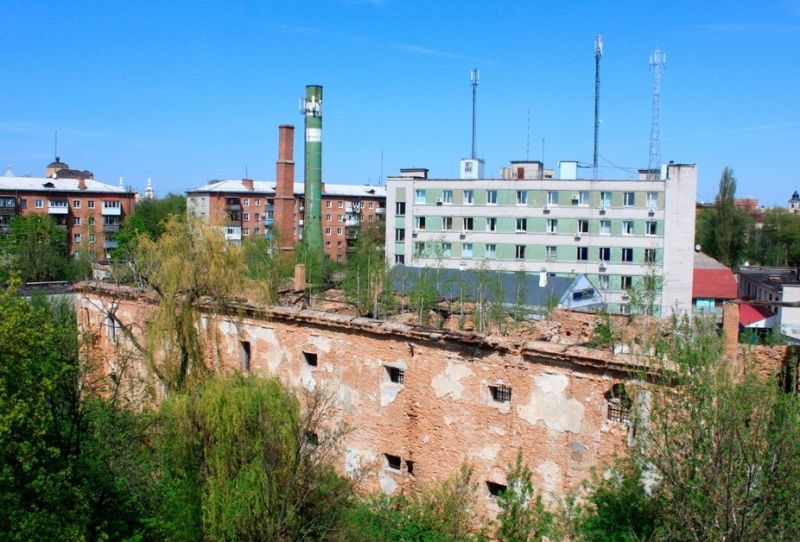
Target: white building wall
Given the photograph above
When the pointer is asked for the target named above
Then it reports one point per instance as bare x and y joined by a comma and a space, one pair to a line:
679, 223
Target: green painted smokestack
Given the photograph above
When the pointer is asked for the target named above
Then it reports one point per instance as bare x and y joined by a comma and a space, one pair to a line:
312, 225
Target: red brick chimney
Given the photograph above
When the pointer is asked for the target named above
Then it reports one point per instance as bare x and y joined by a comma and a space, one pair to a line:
82, 183
248, 184
284, 187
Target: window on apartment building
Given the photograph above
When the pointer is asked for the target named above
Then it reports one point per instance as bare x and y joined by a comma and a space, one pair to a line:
649, 255
582, 254
341, 204
327, 244
419, 249
76, 238
392, 462
491, 224
338, 243
468, 197
38, 203
76, 221
603, 282
310, 358
339, 258
420, 196
629, 199
650, 228
491, 252
92, 237
552, 198
468, 223
341, 218
256, 231
370, 218
328, 204
400, 208
466, 250
495, 489
327, 231
447, 223
244, 355
258, 202
246, 202
396, 374
256, 217
91, 221
627, 254
491, 197
604, 254
605, 227
522, 224
76, 204
619, 404
605, 199
447, 197
23, 203
550, 253
522, 197
370, 204
246, 216
551, 225
399, 234
519, 252
245, 231
583, 198
626, 282
400, 258
627, 227
583, 226
90, 204
447, 250
652, 200
338, 231
419, 223
500, 393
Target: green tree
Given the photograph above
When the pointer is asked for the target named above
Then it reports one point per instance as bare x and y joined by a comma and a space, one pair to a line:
523, 516
36, 249
149, 218
366, 281
778, 240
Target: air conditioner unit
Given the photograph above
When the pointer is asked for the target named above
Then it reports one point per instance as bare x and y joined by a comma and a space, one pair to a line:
414, 233
438, 201
575, 197
651, 211
462, 235
625, 295
602, 210
546, 208
603, 266
578, 236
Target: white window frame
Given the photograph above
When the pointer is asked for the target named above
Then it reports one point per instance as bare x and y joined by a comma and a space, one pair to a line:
469, 196
491, 197
522, 197
552, 198
550, 253
521, 225
551, 225
519, 252
651, 225
491, 251
625, 228
420, 196
583, 198
629, 196
466, 250
605, 199
491, 223
605, 227
447, 197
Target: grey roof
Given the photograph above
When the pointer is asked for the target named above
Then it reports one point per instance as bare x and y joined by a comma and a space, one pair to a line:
772, 277
704, 261
268, 187
450, 286
42, 184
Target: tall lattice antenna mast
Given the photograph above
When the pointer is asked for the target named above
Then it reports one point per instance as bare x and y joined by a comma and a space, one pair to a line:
474, 79
598, 52
657, 61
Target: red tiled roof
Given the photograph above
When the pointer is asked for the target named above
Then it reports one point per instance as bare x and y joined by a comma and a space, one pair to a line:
714, 284
748, 314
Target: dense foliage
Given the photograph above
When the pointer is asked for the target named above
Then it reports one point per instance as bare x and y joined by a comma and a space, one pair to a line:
149, 218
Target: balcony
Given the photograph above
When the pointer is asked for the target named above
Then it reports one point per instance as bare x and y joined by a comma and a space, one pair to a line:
111, 210
233, 233
268, 236
351, 234
233, 207
269, 222
107, 245
57, 207
352, 222
270, 208
110, 228
380, 211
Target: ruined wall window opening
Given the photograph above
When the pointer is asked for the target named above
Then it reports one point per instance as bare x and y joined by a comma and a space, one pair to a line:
310, 358
312, 438
619, 404
500, 393
393, 462
410, 467
396, 375
495, 489
111, 329
86, 320
245, 355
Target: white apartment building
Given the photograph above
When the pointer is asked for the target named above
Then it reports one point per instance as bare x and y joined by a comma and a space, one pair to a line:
616, 232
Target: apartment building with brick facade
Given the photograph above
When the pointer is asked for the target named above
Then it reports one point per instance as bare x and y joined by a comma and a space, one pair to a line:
615, 232
249, 209
89, 211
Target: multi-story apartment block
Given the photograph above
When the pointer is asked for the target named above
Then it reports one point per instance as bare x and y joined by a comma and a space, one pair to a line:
616, 232
252, 209
775, 284
89, 211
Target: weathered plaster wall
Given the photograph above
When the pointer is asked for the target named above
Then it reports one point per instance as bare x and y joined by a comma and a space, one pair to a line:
443, 413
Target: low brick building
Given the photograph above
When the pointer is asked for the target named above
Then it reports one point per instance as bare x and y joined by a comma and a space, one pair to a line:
89, 211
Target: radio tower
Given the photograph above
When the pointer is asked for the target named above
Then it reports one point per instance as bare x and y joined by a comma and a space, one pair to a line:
598, 52
474, 77
657, 61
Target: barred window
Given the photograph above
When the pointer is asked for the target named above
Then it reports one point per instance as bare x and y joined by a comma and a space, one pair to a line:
501, 393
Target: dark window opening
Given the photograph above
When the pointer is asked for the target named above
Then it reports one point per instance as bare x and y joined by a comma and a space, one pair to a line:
410, 467
501, 394
393, 461
245, 355
311, 358
312, 438
619, 404
396, 375
495, 489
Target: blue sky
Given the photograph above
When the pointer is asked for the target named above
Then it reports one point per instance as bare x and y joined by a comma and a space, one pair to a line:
189, 91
